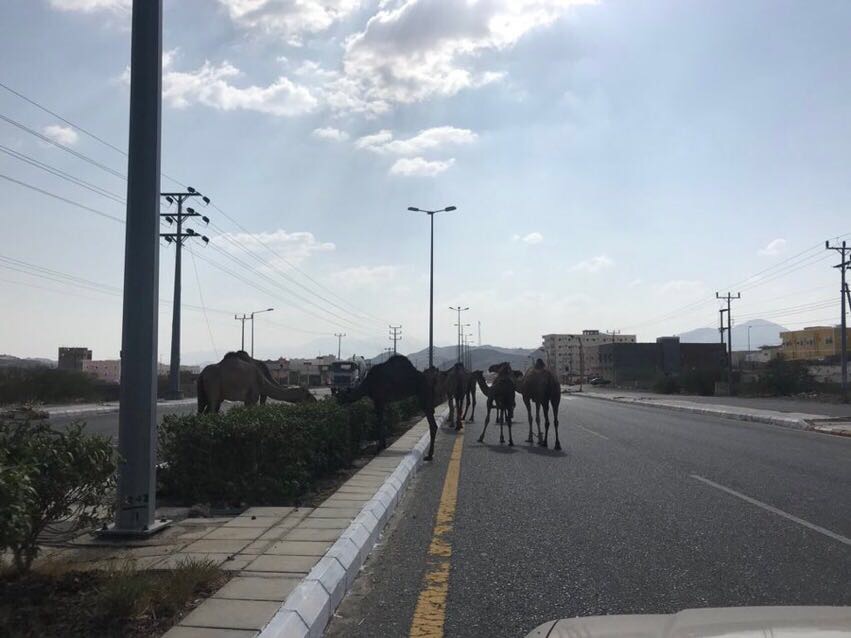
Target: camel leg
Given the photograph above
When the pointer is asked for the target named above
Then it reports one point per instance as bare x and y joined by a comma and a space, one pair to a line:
501, 426
528, 403
555, 401
509, 414
487, 420
432, 431
217, 406
473, 411
263, 398
545, 442
538, 421
466, 405
458, 424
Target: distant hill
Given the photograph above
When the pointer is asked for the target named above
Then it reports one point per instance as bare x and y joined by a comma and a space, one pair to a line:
483, 357
762, 333
10, 361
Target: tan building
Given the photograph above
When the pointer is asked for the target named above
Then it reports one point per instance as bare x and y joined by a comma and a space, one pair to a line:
570, 355
814, 342
108, 370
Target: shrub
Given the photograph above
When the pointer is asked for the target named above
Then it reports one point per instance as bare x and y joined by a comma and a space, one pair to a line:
699, 381
48, 477
52, 386
665, 384
786, 377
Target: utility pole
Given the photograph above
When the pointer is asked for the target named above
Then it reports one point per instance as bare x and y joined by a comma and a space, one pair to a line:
177, 238
395, 335
243, 319
256, 312
469, 342
459, 310
729, 297
137, 414
842, 265
339, 336
480, 334
431, 214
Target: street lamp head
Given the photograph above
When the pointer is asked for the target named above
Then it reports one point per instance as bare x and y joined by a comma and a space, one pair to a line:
206, 199
191, 211
206, 219
413, 209
269, 309
169, 199
449, 209
190, 189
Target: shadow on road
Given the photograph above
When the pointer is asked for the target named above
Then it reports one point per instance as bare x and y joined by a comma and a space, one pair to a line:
502, 448
543, 451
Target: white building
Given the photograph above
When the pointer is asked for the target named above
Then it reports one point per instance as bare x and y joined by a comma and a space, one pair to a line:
570, 355
108, 370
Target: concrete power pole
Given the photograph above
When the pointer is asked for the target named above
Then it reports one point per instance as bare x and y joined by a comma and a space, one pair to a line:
729, 297
339, 336
842, 265
177, 238
459, 310
137, 415
243, 319
395, 335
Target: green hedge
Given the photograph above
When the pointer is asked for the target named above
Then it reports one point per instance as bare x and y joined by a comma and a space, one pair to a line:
268, 454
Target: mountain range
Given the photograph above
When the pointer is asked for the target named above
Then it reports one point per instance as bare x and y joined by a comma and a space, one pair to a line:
482, 356
762, 333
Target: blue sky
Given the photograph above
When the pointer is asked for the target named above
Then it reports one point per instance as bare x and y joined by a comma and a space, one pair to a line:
614, 163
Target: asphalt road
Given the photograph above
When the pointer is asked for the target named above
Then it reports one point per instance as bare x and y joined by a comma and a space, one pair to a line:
623, 520
107, 423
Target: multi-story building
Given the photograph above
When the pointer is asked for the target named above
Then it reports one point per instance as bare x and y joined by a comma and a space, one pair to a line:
572, 355
812, 343
311, 372
72, 358
640, 364
280, 369
108, 370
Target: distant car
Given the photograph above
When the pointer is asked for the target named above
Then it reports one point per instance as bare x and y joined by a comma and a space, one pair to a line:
599, 381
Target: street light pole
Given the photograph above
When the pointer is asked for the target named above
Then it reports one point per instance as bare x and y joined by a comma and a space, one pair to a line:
243, 319
459, 310
256, 312
431, 214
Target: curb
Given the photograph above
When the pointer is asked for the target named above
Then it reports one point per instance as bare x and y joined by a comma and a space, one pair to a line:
309, 607
793, 423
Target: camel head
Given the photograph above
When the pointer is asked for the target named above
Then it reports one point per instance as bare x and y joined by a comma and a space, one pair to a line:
539, 364
500, 367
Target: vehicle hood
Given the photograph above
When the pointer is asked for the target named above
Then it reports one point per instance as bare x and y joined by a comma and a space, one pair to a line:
742, 622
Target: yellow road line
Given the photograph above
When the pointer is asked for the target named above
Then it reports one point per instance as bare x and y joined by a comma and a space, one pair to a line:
430, 614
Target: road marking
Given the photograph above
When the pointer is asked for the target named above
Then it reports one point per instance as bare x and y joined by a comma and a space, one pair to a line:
774, 510
590, 431
430, 613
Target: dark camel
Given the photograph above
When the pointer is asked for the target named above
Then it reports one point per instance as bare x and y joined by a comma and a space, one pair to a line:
238, 377
472, 384
398, 379
457, 380
500, 394
540, 385
517, 377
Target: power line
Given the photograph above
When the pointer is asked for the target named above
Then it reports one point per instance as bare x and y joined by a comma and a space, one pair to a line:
63, 199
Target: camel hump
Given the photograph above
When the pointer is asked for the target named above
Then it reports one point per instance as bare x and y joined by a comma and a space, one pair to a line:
539, 364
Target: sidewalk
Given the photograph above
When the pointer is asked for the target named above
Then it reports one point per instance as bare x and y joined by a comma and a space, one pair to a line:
839, 425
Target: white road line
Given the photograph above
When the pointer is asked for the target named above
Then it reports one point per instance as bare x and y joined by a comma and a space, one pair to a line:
774, 510
602, 436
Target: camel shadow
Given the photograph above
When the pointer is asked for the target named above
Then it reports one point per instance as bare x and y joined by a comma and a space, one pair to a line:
534, 448
501, 448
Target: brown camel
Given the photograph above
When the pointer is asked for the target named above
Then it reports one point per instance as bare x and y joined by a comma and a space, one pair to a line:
516, 375
238, 377
472, 383
500, 394
457, 379
398, 379
540, 385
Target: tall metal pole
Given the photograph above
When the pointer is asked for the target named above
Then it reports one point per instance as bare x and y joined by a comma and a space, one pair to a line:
339, 336
843, 339
174, 374
431, 297
252, 335
135, 514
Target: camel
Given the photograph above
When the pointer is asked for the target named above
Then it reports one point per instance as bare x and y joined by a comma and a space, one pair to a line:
457, 379
500, 394
472, 383
238, 377
516, 376
540, 385
398, 379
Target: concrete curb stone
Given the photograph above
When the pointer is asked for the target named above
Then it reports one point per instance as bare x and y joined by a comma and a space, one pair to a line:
309, 607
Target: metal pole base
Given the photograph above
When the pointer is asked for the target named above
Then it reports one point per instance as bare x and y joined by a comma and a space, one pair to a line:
171, 394
112, 532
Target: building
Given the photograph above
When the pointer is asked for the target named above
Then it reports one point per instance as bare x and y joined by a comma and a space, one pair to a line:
280, 369
311, 372
763, 355
164, 369
108, 370
570, 355
640, 364
72, 358
813, 343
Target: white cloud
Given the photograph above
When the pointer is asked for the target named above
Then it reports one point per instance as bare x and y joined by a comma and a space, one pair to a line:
418, 49
365, 276
211, 86
294, 247
420, 167
62, 134
774, 247
330, 133
635, 283
426, 140
679, 287
290, 19
530, 239
594, 264
89, 6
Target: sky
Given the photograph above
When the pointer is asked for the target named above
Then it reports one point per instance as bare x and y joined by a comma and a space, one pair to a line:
613, 163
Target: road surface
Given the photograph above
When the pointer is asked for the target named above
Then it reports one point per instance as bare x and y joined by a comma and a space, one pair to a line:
644, 511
